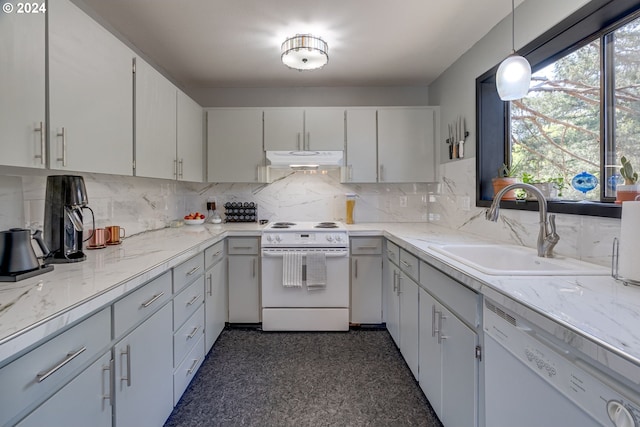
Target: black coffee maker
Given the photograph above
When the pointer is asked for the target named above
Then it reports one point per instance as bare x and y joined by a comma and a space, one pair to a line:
65, 198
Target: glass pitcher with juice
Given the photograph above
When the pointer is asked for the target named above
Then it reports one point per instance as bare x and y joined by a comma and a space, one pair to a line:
351, 204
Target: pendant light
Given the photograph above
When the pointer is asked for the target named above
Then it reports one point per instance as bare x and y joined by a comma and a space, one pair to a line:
304, 52
514, 73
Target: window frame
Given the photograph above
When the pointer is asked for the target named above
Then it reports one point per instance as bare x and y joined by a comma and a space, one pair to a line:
593, 20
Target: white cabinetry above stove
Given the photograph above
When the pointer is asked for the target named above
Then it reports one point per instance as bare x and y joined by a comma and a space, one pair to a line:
303, 129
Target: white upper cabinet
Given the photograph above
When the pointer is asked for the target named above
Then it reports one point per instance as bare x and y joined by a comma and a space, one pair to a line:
298, 129
90, 87
361, 157
155, 100
406, 144
22, 90
283, 129
324, 129
190, 139
234, 145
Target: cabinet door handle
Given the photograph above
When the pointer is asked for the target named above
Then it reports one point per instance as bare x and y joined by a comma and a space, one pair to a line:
127, 353
440, 336
299, 146
152, 300
399, 281
63, 135
194, 332
193, 366
43, 148
193, 270
193, 300
108, 368
68, 358
381, 176
433, 320
355, 267
181, 168
210, 280
308, 141
253, 268
175, 168
395, 286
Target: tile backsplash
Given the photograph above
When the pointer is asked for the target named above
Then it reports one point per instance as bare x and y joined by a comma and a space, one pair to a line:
141, 204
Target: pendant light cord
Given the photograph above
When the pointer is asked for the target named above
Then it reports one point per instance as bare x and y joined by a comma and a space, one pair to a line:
513, 26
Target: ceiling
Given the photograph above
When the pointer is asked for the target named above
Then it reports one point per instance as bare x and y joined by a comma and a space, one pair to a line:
236, 43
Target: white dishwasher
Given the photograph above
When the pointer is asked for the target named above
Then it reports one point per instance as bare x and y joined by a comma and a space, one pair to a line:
531, 381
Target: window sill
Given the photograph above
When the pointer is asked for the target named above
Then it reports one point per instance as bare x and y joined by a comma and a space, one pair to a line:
607, 210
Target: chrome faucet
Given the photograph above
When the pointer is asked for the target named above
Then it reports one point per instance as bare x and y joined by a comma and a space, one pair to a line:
547, 236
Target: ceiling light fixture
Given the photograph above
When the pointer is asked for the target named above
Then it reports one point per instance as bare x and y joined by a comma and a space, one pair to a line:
304, 52
514, 73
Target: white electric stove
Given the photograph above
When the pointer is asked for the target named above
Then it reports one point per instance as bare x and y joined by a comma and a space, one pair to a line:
305, 276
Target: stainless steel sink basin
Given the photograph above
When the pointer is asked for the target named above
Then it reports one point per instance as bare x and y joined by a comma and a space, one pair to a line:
510, 260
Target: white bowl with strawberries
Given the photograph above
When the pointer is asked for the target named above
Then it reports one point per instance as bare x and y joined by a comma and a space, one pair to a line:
194, 218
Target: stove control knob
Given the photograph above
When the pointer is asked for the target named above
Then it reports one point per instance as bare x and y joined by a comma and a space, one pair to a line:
338, 238
278, 238
269, 237
329, 238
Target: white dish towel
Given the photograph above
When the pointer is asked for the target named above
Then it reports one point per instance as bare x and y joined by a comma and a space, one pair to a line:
292, 269
316, 270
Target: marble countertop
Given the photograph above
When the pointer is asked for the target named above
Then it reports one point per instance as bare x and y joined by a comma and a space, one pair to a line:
596, 307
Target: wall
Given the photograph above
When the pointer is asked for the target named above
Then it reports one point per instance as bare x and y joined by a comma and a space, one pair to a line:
140, 204
587, 238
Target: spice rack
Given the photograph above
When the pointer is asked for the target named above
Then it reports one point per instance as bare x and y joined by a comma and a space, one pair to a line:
241, 212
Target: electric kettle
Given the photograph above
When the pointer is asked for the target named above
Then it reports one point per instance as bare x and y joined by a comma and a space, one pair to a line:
16, 253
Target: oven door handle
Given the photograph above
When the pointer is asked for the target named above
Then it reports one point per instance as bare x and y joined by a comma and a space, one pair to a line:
328, 254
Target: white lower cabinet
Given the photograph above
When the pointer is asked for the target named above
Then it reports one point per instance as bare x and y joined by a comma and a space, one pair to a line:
216, 300
366, 280
448, 358
144, 372
85, 401
408, 294
244, 280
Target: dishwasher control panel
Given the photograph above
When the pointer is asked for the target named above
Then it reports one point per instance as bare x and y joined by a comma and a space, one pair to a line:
603, 398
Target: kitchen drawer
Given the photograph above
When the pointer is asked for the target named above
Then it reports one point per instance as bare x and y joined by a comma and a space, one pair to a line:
37, 374
140, 304
393, 252
186, 272
187, 370
409, 264
187, 302
243, 246
213, 254
366, 246
458, 298
185, 338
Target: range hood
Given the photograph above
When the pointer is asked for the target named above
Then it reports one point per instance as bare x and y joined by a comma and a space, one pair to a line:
305, 160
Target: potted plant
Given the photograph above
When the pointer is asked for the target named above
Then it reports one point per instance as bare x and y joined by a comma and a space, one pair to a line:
630, 190
506, 176
547, 188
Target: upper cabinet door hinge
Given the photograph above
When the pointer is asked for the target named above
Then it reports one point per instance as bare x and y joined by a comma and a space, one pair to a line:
479, 353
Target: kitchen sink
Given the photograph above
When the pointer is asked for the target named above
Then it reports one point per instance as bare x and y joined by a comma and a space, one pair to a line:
511, 260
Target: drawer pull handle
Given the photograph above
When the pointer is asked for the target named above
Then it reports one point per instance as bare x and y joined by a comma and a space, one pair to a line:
243, 247
216, 254
391, 254
194, 332
405, 263
152, 300
193, 270
70, 356
367, 247
193, 300
193, 366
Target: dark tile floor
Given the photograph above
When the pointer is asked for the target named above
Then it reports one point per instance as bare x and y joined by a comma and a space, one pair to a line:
253, 378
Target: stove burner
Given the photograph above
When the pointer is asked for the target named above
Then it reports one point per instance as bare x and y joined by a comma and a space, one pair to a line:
326, 224
282, 224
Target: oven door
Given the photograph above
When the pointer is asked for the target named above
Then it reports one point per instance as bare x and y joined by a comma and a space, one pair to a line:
334, 294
